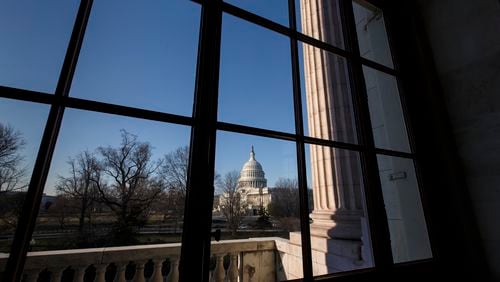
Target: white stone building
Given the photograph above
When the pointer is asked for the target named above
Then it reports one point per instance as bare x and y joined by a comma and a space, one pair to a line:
252, 185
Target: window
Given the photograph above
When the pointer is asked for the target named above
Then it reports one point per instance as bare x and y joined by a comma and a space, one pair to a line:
197, 139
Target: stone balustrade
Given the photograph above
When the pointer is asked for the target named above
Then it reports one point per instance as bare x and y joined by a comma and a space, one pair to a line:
232, 260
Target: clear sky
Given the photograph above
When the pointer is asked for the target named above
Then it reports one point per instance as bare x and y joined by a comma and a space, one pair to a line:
143, 54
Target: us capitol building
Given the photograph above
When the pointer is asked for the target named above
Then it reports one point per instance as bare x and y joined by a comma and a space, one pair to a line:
252, 185
251, 188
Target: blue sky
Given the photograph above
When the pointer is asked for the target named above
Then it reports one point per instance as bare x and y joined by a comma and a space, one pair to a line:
143, 54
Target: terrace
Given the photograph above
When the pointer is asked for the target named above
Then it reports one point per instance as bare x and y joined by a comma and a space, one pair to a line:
255, 259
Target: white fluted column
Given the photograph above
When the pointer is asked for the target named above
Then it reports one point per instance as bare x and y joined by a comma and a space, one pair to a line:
336, 175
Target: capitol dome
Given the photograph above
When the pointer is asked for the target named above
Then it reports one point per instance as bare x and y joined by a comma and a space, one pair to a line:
252, 175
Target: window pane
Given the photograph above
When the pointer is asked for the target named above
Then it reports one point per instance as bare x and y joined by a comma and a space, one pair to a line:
35, 35
21, 129
409, 239
340, 236
140, 54
113, 181
327, 95
372, 36
255, 77
388, 125
276, 10
257, 196
320, 19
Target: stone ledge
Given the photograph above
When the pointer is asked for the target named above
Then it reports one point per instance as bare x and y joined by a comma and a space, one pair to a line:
85, 257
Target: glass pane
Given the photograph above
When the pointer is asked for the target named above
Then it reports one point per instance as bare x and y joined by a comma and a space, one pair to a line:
140, 54
113, 181
409, 239
372, 36
327, 95
388, 125
320, 19
340, 236
257, 196
276, 10
21, 129
255, 86
35, 35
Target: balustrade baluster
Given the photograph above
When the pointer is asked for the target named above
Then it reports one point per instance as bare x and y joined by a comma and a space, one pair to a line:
139, 271
56, 274
219, 273
75, 263
120, 272
157, 275
211, 276
32, 275
79, 273
233, 271
174, 270
100, 272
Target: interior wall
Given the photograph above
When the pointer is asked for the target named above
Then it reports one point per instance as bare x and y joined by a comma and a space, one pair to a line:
464, 37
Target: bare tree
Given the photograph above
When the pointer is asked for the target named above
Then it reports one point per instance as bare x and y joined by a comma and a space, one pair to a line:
80, 185
11, 171
10, 208
231, 204
285, 198
175, 168
173, 173
12, 177
131, 184
61, 210
284, 205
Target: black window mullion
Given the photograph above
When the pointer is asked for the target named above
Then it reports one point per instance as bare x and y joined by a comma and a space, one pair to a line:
377, 66
231, 127
301, 157
394, 153
26, 95
379, 228
29, 213
114, 109
196, 235
256, 19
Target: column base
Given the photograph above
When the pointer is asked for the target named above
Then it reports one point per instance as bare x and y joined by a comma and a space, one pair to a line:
332, 255
337, 241
336, 224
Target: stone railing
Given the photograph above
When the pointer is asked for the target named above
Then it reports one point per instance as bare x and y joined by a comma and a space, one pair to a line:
232, 260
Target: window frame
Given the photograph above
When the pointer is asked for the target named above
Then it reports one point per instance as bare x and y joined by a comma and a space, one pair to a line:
204, 126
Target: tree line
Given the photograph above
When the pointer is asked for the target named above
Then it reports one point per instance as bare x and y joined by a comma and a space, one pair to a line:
124, 181
12, 176
129, 184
